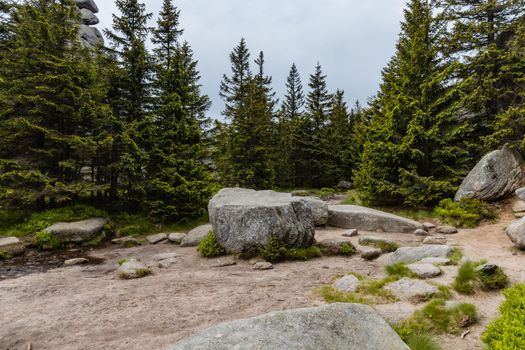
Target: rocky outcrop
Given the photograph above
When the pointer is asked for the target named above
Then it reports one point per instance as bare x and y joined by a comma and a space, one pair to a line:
246, 219
77, 232
90, 37
335, 327
516, 233
366, 219
496, 176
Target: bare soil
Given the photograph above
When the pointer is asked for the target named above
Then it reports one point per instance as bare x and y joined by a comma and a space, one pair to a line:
88, 308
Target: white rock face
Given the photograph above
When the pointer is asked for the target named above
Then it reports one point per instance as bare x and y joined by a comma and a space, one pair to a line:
244, 219
366, 219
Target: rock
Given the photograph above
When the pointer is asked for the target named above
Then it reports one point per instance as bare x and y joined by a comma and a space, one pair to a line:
88, 18
397, 312
435, 261
368, 253
7, 241
165, 256
487, 269
133, 269
413, 254
520, 192
77, 261
366, 219
347, 284
423, 270
374, 241
300, 193
435, 240
11, 246
167, 263
428, 226
496, 176
518, 206
244, 219
446, 230
516, 232
336, 247
77, 232
519, 215
351, 233
126, 242
345, 185
195, 236
90, 36
319, 210
160, 237
176, 237
88, 5
262, 266
412, 290
337, 326
225, 262
421, 232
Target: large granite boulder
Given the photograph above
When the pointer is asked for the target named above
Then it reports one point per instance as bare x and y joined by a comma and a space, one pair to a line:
516, 233
496, 176
319, 210
366, 219
335, 327
245, 219
77, 232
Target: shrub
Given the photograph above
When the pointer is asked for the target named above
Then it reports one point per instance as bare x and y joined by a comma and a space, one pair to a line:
469, 280
209, 247
399, 270
465, 213
347, 249
508, 331
45, 240
422, 341
275, 251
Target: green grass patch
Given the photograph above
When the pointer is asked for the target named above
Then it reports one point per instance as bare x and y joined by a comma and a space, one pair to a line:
399, 270
347, 249
423, 341
465, 213
209, 247
469, 280
508, 331
384, 246
46, 241
4, 254
456, 256
276, 251
122, 261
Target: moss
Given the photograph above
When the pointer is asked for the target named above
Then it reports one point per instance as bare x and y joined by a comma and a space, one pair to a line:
508, 331
423, 341
143, 272
209, 247
465, 213
469, 280
4, 254
122, 261
384, 246
399, 270
95, 241
45, 240
275, 251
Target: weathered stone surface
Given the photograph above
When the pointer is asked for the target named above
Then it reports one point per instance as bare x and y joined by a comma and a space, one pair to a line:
160, 237
176, 237
428, 226
133, 269
435, 240
195, 236
347, 284
8, 241
520, 192
413, 254
345, 185
516, 232
335, 246
90, 36
519, 215
421, 232
435, 261
369, 253
351, 233
228, 261
76, 261
446, 230
518, 206
335, 327
88, 18
319, 210
496, 176
164, 256
245, 219
87, 4
77, 232
127, 242
423, 270
366, 219
374, 241
167, 263
262, 266
412, 290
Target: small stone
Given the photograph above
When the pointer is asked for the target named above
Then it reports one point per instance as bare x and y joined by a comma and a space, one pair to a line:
154, 239
429, 226
133, 269
487, 269
165, 256
262, 266
176, 237
436, 261
167, 263
518, 206
412, 290
421, 232
371, 240
225, 263
446, 230
370, 253
127, 242
347, 284
195, 236
8, 241
464, 260
424, 270
77, 261
351, 233
435, 240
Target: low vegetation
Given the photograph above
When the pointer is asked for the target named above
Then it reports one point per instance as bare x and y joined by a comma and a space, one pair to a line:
399, 270
465, 213
275, 251
370, 291
46, 241
209, 247
508, 331
384, 246
469, 279
422, 341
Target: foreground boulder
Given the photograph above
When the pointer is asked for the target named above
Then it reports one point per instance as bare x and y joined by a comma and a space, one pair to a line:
366, 219
334, 327
516, 233
496, 176
78, 231
245, 219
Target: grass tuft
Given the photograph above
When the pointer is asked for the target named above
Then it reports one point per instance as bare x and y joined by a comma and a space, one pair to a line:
423, 341
209, 247
399, 270
469, 280
275, 251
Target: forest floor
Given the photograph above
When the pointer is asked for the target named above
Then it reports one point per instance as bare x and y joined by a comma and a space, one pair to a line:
90, 308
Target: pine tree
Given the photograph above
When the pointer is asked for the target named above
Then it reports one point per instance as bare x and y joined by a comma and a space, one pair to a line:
49, 107
414, 153
179, 185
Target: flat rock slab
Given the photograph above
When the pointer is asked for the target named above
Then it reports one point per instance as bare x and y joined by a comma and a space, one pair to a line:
176, 237
423, 270
371, 240
396, 312
76, 261
369, 253
7, 241
167, 263
79, 231
351, 233
126, 242
366, 219
435, 240
244, 219
435, 261
347, 284
516, 232
421, 232
158, 238
446, 230
336, 246
259, 266
195, 236
319, 210
164, 256
413, 254
335, 327
133, 269
412, 290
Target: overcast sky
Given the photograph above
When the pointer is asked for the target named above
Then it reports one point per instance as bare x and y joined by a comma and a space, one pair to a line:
352, 39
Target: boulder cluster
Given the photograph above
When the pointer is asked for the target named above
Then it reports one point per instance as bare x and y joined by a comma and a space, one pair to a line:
89, 36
